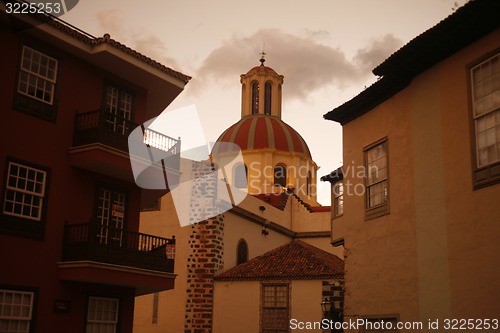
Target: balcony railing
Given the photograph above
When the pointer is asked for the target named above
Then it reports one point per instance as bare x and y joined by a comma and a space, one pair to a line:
102, 127
111, 130
96, 242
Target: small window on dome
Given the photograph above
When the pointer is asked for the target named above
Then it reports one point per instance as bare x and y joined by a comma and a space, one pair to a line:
308, 183
267, 98
240, 173
255, 97
280, 175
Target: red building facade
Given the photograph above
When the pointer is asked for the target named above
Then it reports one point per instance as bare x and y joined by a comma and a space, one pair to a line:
71, 256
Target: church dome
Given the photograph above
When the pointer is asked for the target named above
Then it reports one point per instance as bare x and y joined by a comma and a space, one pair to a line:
265, 132
275, 158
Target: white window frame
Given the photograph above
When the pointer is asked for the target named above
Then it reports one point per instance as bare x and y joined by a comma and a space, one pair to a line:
107, 319
18, 191
119, 105
485, 89
16, 310
376, 174
111, 210
338, 198
37, 75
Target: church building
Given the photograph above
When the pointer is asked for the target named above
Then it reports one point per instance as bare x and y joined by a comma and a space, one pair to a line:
268, 259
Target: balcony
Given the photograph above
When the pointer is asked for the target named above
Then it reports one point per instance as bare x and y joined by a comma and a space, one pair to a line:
100, 144
94, 253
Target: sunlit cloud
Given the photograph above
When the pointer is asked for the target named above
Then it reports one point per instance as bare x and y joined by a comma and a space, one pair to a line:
306, 64
376, 52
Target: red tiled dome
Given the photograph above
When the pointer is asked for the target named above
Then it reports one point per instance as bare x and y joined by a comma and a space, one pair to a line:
263, 131
262, 68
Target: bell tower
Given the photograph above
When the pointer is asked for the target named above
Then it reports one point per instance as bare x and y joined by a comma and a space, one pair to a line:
276, 158
261, 91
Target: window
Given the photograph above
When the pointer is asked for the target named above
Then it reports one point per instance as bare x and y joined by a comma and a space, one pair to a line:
37, 84
102, 315
37, 76
118, 111
110, 216
240, 175
338, 198
25, 191
242, 252
255, 97
308, 183
280, 175
16, 311
275, 308
376, 179
267, 98
485, 86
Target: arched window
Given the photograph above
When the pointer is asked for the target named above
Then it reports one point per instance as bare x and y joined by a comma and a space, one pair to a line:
240, 175
267, 98
308, 183
280, 175
255, 97
241, 252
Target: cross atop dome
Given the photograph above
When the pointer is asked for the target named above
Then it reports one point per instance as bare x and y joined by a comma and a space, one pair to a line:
262, 58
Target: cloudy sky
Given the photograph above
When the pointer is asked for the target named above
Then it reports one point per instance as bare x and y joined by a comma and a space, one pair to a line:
325, 49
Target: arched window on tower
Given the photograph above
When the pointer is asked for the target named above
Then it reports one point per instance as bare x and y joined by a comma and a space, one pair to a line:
241, 252
240, 175
255, 97
267, 98
280, 175
308, 183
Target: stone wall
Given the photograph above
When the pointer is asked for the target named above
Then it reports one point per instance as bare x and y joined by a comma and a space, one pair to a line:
205, 250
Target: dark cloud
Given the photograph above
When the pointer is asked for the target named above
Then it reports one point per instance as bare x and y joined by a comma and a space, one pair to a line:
376, 52
149, 44
306, 64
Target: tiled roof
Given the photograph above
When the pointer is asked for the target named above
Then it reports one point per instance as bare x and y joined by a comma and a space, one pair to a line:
467, 24
293, 261
106, 39
334, 176
276, 200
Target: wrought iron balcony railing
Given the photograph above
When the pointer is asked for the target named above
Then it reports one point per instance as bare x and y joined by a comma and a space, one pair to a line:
112, 130
96, 242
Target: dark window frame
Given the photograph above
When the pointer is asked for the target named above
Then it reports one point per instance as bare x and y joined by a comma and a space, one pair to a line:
281, 181
268, 93
122, 89
18, 225
113, 188
237, 179
35, 292
254, 98
29, 104
263, 306
241, 252
104, 296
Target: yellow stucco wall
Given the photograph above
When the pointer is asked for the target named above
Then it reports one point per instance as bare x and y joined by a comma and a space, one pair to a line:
237, 305
435, 254
164, 223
